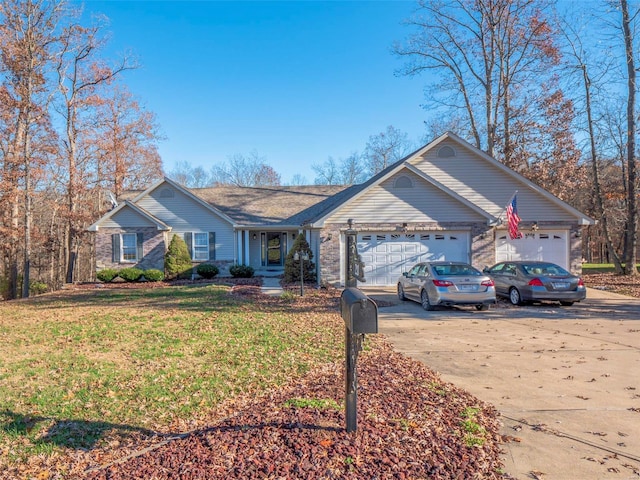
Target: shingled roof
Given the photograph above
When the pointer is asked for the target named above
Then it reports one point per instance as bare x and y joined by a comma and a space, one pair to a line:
288, 205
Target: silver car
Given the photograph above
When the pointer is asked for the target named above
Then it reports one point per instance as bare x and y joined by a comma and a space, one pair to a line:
446, 283
531, 281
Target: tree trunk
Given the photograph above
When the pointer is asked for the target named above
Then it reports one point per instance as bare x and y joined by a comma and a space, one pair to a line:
632, 223
596, 176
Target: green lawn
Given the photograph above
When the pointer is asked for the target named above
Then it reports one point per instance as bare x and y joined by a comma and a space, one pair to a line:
77, 369
588, 268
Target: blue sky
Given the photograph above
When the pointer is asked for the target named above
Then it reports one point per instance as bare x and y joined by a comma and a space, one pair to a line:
296, 81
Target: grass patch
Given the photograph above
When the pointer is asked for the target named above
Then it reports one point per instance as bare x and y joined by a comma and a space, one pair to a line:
593, 268
78, 368
473, 433
317, 403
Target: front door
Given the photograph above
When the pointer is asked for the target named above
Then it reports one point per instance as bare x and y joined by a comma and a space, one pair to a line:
273, 251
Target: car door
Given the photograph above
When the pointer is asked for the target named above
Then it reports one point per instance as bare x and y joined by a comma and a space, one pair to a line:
412, 281
420, 279
502, 275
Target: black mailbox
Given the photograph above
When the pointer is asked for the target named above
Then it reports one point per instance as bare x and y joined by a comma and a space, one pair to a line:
359, 312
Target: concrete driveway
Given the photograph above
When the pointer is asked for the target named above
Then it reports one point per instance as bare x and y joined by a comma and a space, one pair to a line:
566, 380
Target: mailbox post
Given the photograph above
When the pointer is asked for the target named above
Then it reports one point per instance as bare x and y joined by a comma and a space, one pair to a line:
360, 315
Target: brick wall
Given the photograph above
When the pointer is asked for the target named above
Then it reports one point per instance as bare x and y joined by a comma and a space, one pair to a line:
153, 248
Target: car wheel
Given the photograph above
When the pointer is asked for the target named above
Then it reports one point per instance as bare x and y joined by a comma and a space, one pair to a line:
424, 299
566, 304
401, 295
482, 307
514, 296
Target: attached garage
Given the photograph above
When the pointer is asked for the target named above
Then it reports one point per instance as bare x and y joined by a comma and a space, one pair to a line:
548, 245
387, 254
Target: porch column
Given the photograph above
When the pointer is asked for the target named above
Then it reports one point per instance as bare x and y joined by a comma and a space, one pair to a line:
246, 259
239, 247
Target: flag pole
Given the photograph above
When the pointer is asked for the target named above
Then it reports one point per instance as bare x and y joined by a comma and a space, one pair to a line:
504, 209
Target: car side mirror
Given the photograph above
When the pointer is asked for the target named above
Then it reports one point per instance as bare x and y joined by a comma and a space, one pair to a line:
405, 274
485, 270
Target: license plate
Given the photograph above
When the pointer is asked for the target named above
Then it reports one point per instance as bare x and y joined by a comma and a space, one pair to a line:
560, 285
468, 288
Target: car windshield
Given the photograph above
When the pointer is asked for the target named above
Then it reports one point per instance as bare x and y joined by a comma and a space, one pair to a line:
456, 269
545, 269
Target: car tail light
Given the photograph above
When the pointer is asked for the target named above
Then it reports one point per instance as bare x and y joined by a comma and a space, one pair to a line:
487, 283
580, 283
442, 283
536, 282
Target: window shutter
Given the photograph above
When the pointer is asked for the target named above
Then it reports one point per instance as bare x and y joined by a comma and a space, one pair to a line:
188, 239
139, 243
212, 245
115, 248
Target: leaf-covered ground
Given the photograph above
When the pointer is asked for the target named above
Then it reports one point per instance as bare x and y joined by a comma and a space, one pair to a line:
409, 425
623, 284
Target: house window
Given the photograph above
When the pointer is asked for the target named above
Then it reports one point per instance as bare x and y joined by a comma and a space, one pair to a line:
403, 182
166, 193
201, 245
129, 247
446, 152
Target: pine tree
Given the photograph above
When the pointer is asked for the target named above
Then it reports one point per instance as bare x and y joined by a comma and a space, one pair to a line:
177, 260
292, 266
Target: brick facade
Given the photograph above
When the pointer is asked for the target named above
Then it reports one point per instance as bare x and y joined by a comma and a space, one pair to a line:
154, 248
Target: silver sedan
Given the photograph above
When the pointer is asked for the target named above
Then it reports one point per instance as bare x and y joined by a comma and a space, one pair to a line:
447, 284
533, 281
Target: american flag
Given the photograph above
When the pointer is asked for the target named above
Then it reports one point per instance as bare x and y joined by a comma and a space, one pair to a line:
513, 220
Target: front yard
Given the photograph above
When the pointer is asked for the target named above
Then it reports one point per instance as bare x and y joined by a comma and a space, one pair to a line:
89, 377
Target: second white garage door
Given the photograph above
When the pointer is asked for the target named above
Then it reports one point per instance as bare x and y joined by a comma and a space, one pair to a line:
548, 245
387, 255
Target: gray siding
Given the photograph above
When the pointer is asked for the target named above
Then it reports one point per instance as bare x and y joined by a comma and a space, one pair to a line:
486, 185
127, 218
185, 215
391, 203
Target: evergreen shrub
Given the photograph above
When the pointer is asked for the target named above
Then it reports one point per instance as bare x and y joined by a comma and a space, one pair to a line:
241, 271
154, 275
208, 271
107, 274
292, 266
177, 261
130, 274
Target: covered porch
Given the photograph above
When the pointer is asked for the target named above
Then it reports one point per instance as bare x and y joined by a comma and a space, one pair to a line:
266, 250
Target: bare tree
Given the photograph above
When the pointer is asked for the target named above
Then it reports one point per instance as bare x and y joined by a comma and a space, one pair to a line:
298, 179
592, 68
327, 173
81, 73
126, 141
245, 171
385, 148
352, 170
27, 39
632, 213
191, 177
489, 56
345, 171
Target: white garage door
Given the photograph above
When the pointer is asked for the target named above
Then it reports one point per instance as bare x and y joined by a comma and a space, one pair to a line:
548, 245
387, 255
